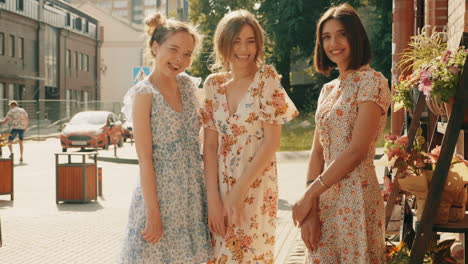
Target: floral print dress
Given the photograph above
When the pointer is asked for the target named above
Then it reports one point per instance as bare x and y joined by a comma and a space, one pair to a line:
179, 183
351, 211
240, 136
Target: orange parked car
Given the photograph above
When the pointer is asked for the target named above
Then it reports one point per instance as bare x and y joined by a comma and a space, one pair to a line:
92, 129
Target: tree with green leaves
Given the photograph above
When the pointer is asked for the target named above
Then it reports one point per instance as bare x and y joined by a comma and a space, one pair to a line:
206, 14
291, 29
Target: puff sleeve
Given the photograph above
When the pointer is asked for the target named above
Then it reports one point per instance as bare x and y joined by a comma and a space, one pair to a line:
275, 105
206, 109
373, 87
140, 88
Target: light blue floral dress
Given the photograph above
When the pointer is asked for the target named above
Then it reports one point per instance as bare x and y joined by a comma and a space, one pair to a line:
179, 183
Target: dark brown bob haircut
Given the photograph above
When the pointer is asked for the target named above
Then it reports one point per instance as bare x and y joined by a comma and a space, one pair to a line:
361, 52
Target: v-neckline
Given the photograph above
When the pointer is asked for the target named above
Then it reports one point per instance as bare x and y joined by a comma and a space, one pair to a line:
164, 99
229, 116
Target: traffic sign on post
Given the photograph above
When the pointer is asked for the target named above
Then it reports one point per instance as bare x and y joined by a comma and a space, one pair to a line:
139, 73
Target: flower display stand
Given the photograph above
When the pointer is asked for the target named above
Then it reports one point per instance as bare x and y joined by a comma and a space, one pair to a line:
6, 177
76, 181
426, 228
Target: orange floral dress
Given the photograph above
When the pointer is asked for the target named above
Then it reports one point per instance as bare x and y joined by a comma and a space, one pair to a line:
351, 211
240, 136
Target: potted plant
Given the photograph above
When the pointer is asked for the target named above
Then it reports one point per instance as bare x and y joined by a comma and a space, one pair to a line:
414, 172
435, 71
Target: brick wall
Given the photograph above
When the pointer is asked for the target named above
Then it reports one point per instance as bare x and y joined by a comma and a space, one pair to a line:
457, 21
436, 13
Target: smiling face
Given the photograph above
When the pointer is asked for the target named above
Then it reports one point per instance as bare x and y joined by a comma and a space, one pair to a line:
336, 43
174, 55
244, 48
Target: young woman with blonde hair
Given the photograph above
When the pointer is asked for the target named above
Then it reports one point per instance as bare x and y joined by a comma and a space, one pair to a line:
244, 109
168, 214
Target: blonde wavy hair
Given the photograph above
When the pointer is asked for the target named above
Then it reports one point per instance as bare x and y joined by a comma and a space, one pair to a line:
227, 30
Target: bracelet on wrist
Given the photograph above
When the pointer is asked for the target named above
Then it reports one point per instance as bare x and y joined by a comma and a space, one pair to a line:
321, 182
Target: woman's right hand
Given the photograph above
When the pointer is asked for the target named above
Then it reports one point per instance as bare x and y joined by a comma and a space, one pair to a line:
153, 231
216, 221
311, 231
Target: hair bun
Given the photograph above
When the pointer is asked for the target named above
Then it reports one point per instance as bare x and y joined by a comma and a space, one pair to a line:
153, 22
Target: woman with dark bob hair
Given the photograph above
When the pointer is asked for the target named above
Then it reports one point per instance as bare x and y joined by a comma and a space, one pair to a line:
341, 213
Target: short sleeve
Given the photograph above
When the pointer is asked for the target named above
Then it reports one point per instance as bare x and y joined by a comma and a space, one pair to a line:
9, 114
374, 88
206, 109
275, 105
140, 88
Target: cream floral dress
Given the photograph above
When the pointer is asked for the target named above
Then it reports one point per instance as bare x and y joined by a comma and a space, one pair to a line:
351, 211
240, 136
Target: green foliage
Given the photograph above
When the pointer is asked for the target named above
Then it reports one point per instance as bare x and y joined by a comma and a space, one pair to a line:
291, 29
290, 34
206, 14
438, 253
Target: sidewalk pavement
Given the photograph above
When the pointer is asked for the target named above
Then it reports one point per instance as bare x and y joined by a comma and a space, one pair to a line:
36, 230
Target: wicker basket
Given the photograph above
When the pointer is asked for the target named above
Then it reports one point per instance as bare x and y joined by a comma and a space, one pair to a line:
435, 107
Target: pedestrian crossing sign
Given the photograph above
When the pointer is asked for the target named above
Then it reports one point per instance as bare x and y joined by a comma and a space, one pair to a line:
139, 73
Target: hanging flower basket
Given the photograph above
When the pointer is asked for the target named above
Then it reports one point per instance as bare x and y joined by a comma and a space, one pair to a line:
435, 106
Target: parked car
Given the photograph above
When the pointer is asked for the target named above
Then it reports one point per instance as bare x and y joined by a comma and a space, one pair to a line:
92, 129
127, 131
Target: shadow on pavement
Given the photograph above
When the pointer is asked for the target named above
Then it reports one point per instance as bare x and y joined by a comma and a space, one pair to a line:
20, 164
284, 205
79, 207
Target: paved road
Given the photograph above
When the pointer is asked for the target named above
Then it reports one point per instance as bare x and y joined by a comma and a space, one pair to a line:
37, 230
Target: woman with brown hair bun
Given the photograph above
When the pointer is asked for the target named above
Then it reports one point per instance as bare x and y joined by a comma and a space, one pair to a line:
168, 221
341, 214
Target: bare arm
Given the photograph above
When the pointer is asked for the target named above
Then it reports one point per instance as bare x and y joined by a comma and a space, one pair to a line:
366, 128
143, 145
210, 158
316, 160
316, 163
5, 121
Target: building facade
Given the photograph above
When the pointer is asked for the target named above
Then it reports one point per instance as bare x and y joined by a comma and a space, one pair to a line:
118, 37
136, 10
48, 51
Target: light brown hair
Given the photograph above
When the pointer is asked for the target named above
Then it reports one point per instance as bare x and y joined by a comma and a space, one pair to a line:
227, 30
159, 28
361, 52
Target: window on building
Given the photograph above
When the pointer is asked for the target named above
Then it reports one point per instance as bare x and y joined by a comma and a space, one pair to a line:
82, 61
12, 46
21, 48
150, 3
67, 59
120, 4
68, 19
87, 27
2, 43
75, 59
80, 64
86, 63
20, 5
78, 24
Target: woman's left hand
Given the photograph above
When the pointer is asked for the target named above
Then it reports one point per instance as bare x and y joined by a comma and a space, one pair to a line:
300, 210
234, 208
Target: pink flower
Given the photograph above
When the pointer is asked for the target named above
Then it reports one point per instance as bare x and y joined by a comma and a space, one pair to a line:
446, 56
402, 141
434, 155
391, 138
425, 84
454, 69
